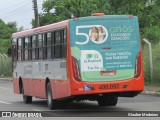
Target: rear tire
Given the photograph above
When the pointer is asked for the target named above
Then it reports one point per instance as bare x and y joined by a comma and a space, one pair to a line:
113, 100
107, 100
26, 99
102, 100
51, 103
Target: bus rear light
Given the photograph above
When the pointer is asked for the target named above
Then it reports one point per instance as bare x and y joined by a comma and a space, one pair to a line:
131, 16
138, 66
76, 70
98, 14
76, 19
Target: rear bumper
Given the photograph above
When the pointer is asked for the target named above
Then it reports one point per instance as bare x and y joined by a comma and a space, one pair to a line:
131, 85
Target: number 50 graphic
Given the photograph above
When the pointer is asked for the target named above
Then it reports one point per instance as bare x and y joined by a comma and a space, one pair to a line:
97, 34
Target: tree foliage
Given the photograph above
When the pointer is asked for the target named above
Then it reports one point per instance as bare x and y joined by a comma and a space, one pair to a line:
4, 45
58, 10
7, 29
146, 10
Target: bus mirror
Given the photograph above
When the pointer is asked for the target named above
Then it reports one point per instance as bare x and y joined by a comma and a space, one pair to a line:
9, 52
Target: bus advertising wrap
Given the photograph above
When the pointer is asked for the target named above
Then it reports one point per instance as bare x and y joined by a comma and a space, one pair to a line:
105, 49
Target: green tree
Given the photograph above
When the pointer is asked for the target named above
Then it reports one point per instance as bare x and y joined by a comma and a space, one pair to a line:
146, 10
58, 10
6, 30
13, 26
81, 8
4, 45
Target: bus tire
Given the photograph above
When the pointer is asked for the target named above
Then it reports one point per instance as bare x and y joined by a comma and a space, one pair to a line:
112, 100
26, 99
107, 100
102, 100
51, 103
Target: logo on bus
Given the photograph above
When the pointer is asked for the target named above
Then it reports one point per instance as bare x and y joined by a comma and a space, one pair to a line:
91, 60
90, 56
87, 87
98, 34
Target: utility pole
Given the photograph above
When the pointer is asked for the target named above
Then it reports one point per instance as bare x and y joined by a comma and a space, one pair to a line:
35, 7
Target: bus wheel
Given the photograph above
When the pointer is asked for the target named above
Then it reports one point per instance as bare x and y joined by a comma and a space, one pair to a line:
26, 99
113, 99
102, 100
107, 100
51, 103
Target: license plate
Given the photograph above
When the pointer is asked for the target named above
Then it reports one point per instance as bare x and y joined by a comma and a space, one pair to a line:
108, 73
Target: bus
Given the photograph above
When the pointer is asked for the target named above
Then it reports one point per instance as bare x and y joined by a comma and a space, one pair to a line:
96, 58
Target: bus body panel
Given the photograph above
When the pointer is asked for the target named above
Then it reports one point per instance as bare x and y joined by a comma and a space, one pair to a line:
129, 85
107, 57
16, 88
34, 73
89, 54
41, 29
35, 85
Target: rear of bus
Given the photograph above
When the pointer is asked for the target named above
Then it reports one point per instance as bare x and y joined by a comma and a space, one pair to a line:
106, 56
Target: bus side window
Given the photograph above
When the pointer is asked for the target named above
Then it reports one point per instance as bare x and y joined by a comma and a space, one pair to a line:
49, 43
30, 48
43, 45
58, 44
52, 45
19, 49
26, 50
14, 49
23, 49
64, 52
40, 46
33, 47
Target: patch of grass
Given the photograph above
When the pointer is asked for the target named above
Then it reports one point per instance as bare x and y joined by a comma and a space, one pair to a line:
5, 67
156, 64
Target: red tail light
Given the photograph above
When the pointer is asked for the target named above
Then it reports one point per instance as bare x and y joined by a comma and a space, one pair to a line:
98, 14
131, 16
138, 66
76, 70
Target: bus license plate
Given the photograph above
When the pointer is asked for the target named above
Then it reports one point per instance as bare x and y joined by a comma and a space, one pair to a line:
109, 86
108, 73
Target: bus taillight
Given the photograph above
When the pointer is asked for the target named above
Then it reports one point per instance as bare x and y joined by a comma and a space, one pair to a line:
98, 14
138, 66
76, 70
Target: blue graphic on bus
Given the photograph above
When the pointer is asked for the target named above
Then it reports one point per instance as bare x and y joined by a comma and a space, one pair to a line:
87, 87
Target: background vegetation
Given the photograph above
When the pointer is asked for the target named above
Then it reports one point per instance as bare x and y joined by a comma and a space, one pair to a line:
58, 10
6, 31
146, 10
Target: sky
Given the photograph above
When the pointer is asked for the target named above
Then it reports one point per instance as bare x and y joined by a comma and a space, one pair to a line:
20, 11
